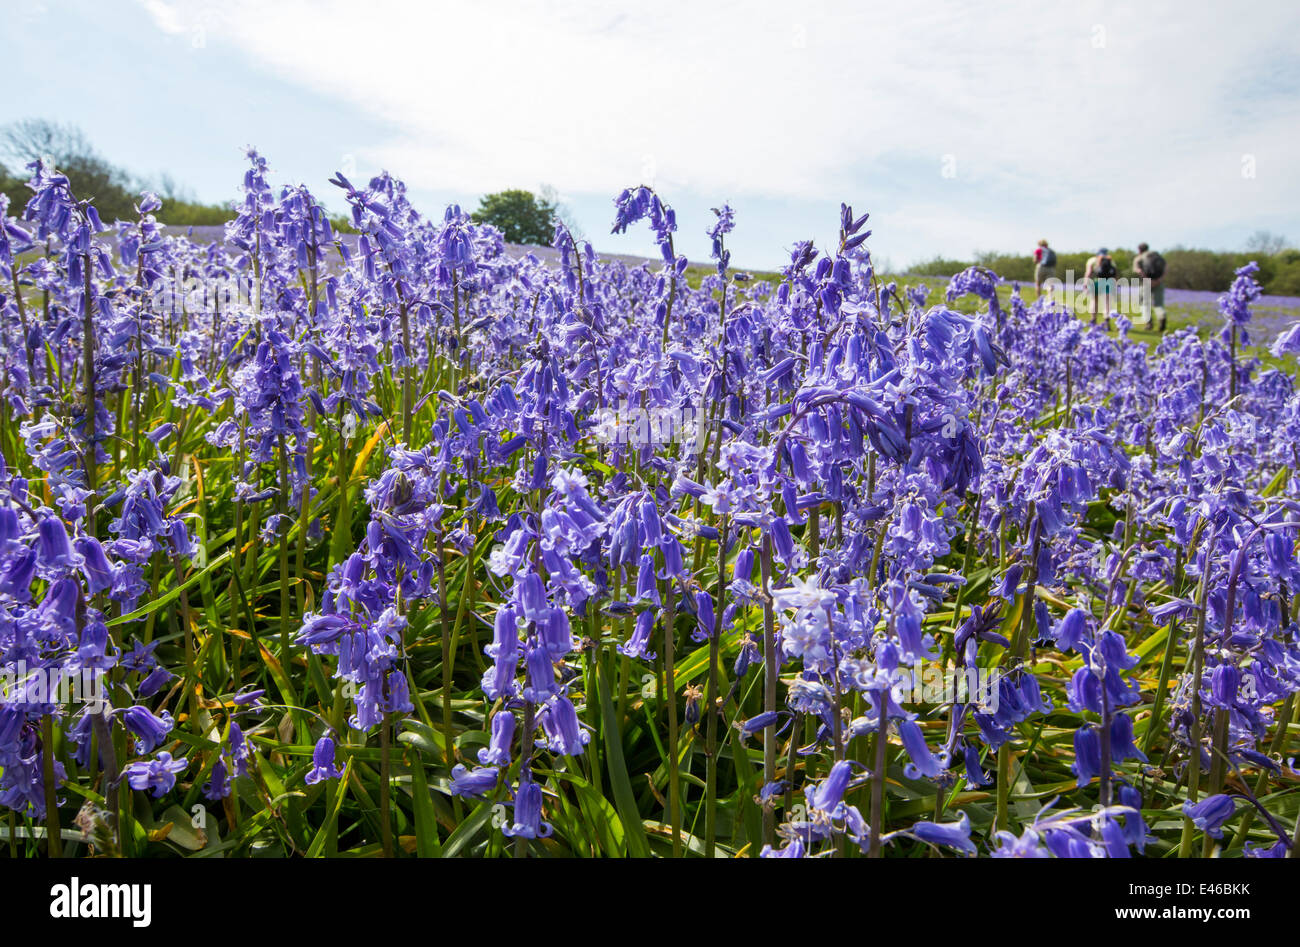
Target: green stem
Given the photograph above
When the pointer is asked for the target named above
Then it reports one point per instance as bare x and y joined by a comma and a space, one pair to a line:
1004, 787
88, 358
769, 688
446, 653
670, 692
408, 389
1166, 665
711, 703
1197, 661
878, 774
53, 834
385, 826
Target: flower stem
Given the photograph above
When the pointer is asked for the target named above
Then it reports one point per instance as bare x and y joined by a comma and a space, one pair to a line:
53, 834
670, 689
769, 688
711, 703
878, 773
1153, 728
385, 827
1194, 737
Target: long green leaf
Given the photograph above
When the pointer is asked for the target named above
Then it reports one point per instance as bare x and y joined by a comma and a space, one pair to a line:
624, 797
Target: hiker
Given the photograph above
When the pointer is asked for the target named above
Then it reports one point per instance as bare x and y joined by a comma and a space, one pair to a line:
1044, 265
1100, 273
1150, 265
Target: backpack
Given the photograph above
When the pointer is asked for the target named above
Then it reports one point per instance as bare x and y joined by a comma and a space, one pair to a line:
1153, 265
1106, 268
1049, 258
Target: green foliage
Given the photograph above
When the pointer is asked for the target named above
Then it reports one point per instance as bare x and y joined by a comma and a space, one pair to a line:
113, 190
14, 189
520, 215
939, 266
189, 214
1286, 279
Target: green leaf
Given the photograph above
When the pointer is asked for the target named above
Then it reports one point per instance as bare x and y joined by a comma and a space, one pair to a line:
182, 831
171, 596
424, 738
602, 820
624, 797
318, 843
467, 830
426, 821
1276, 484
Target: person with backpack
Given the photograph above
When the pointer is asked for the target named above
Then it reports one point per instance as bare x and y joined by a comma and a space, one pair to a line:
1044, 265
1100, 273
1150, 265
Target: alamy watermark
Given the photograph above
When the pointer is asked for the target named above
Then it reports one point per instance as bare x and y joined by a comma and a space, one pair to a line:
20, 684
653, 426
930, 683
76, 899
1128, 296
194, 294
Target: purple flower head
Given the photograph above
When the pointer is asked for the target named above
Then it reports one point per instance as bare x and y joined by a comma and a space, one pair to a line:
157, 775
528, 813
1210, 813
150, 730
323, 764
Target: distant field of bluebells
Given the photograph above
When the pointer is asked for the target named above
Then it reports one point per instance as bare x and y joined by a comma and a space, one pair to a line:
408, 545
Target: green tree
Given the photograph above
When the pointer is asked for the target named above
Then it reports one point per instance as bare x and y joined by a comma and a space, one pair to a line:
13, 186
90, 175
520, 215
113, 191
1287, 280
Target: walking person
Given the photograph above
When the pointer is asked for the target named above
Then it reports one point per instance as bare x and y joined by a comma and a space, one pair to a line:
1100, 273
1150, 265
1044, 266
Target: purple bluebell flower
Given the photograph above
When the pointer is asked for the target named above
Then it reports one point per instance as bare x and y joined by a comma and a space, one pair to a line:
158, 775
149, 729
477, 782
323, 764
528, 813
1210, 813
497, 752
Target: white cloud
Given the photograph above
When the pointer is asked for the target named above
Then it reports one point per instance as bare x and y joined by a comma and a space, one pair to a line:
166, 16
1049, 108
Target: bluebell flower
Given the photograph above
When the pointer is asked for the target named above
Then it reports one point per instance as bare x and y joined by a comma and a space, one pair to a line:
1087, 755
150, 730
323, 764
952, 834
528, 813
559, 721
498, 750
1279, 849
759, 722
1210, 813
157, 775
477, 782
219, 784
1029, 844
924, 763
794, 848
155, 681
54, 550
828, 795
636, 646
1122, 746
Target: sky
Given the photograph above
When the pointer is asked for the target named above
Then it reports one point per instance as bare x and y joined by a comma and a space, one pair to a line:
960, 127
